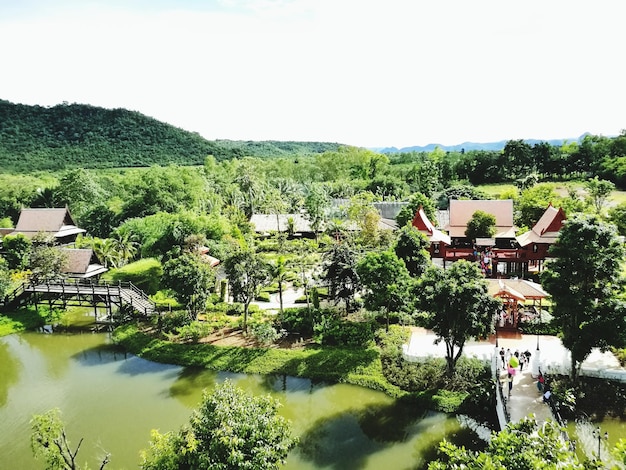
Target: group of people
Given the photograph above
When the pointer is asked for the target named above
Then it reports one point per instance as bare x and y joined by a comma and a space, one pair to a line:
511, 361
484, 261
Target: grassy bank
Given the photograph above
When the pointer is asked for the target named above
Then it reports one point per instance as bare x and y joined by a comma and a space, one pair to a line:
359, 366
20, 320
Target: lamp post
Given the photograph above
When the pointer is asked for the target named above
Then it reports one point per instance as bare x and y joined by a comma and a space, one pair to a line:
598, 435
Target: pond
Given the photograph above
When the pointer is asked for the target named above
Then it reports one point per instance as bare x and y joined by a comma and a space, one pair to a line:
113, 400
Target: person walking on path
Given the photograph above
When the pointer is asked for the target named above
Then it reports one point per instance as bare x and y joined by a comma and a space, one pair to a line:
510, 382
502, 359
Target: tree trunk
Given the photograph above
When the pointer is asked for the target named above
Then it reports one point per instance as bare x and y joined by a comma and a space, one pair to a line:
280, 295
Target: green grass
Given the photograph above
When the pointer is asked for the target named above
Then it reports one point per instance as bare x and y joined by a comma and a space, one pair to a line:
20, 320
499, 189
359, 366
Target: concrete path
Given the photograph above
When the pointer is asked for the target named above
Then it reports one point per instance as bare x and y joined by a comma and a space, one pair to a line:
551, 357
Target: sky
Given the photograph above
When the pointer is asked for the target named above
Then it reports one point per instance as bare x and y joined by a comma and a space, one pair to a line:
358, 72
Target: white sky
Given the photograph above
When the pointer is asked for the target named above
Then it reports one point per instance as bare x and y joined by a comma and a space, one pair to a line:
367, 73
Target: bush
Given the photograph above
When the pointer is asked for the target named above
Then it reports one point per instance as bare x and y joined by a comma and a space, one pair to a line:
171, 321
335, 331
193, 331
264, 333
263, 297
298, 320
145, 274
539, 328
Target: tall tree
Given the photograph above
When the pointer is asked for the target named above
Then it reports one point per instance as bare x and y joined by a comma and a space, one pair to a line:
412, 247
599, 191
192, 279
457, 304
17, 249
46, 260
230, 431
317, 205
340, 275
247, 273
386, 281
585, 281
416, 201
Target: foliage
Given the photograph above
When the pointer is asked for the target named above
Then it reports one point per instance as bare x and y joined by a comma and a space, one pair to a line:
459, 191
340, 275
599, 191
5, 278
21, 320
49, 442
265, 333
524, 445
193, 331
584, 280
386, 281
416, 201
17, 249
481, 225
298, 320
192, 279
46, 261
145, 274
411, 246
247, 273
533, 202
617, 215
230, 430
458, 305
333, 330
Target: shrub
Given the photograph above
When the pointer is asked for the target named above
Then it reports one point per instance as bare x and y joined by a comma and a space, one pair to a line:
333, 330
193, 331
265, 333
298, 320
263, 297
171, 321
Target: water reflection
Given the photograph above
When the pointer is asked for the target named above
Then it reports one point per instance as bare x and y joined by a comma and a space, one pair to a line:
9, 371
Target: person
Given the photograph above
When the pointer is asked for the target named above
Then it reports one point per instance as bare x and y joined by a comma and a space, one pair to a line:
510, 383
547, 395
522, 361
502, 358
540, 382
527, 354
507, 355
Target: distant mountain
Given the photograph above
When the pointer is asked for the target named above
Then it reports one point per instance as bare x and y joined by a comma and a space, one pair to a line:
77, 135
466, 146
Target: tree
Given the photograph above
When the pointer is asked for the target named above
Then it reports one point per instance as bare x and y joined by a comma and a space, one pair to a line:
17, 249
523, 445
457, 304
617, 215
49, 441
584, 281
481, 225
599, 191
230, 430
340, 275
532, 203
279, 273
416, 201
247, 273
191, 279
46, 260
5, 277
386, 281
412, 247
317, 204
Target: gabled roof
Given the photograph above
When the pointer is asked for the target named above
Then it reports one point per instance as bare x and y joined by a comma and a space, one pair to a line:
461, 211
82, 263
424, 225
547, 228
57, 222
516, 288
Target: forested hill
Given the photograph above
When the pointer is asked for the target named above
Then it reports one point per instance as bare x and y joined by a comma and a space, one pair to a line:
78, 135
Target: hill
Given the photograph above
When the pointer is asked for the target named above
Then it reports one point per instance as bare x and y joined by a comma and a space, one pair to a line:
467, 146
79, 135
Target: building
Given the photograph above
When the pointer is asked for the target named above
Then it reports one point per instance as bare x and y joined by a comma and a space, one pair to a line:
56, 222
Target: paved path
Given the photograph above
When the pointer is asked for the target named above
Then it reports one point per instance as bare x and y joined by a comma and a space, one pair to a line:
552, 357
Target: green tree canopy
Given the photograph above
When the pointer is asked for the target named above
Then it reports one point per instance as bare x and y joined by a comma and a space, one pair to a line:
599, 191
247, 273
585, 281
416, 201
192, 280
481, 225
457, 304
386, 281
339, 273
412, 247
231, 430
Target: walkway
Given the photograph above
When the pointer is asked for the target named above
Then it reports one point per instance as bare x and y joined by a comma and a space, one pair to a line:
552, 357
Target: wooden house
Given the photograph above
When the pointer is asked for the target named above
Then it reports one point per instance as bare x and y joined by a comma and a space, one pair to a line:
56, 222
82, 264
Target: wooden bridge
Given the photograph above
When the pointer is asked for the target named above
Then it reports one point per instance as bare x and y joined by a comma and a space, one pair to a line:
126, 297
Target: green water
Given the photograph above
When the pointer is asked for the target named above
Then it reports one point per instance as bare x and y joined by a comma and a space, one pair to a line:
113, 400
